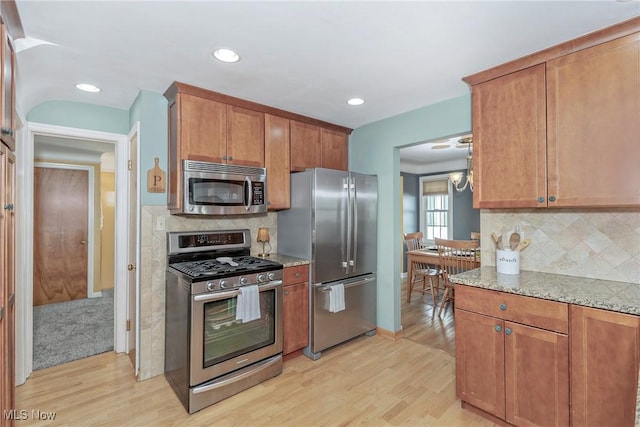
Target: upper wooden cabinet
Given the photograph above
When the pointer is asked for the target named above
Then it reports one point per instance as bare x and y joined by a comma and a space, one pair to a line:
559, 128
212, 127
334, 149
277, 153
305, 146
7, 90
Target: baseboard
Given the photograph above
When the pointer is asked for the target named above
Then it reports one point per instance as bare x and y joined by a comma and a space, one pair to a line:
395, 336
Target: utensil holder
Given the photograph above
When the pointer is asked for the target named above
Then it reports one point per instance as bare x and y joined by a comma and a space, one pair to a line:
508, 262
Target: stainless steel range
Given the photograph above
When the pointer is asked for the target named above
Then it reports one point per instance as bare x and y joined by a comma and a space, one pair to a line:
223, 316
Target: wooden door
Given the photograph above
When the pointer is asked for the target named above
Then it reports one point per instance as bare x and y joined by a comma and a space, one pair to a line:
605, 350
245, 137
132, 277
536, 376
305, 146
593, 99
202, 129
335, 149
509, 141
480, 361
277, 161
60, 235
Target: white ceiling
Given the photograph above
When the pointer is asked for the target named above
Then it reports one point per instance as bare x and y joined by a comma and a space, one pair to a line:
305, 57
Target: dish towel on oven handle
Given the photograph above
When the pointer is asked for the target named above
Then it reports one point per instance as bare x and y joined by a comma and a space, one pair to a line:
336, 297
248, 304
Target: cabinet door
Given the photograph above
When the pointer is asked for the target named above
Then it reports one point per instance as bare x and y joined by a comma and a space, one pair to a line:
7, 90
305, 146
593, 99
480, 361
509, 141
605, 350
277, 161
245, 137
202, 127
334, 146
536, 376
296, 317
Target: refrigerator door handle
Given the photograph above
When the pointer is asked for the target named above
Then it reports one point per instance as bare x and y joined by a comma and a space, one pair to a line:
346, 220
354, 216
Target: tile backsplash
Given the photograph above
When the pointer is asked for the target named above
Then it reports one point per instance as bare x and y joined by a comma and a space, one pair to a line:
594, 243
155, 221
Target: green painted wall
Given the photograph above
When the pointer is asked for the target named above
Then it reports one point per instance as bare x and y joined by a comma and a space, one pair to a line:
81, 116
150, 109
374, 149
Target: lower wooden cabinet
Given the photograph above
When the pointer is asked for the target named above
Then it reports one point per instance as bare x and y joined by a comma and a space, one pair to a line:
534, 362
605, 349
516, 372
295, 309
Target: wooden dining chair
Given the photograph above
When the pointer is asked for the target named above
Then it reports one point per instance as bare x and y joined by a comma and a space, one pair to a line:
455, 257
475, 235
422, 272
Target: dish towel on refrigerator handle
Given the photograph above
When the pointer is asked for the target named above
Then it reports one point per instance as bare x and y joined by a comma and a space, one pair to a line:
336, 298
248, 304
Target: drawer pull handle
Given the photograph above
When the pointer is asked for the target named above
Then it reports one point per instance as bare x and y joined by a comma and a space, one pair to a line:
552, 198
507, 331
540, 199
498, 328
503, 307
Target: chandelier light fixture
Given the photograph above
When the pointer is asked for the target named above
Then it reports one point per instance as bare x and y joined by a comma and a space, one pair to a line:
457, 177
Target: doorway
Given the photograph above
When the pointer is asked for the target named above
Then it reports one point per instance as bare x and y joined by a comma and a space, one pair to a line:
24, 323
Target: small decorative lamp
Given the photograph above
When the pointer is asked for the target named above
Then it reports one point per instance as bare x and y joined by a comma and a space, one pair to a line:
263, 236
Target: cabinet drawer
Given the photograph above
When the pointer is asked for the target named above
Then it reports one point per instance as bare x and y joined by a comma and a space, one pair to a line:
536, 312
297, 274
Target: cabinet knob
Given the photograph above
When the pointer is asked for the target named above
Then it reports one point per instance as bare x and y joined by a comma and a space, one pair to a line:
540, 199
507, 331
298, 274
503, 307
6, 131
552, 198
286, 292
498, 328
224, 157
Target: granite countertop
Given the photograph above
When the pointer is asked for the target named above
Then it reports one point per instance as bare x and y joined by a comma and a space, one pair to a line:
288, 260
609, 295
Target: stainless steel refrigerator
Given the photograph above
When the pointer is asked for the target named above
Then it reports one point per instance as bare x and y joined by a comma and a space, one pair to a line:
332, 222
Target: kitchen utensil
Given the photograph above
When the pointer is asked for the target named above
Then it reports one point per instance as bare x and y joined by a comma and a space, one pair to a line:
523, 245
514, 240
227, 260
499, 243
494, 236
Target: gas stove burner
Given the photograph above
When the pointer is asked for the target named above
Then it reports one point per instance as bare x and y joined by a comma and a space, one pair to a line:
213, 268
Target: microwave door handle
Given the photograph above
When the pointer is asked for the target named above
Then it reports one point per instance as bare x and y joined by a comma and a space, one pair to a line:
249, 193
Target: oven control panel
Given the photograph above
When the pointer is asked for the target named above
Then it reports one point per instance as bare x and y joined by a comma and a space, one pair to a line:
228, 283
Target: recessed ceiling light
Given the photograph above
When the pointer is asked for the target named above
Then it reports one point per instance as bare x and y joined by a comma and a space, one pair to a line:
226, 55
355, 101
87, 87
440, 146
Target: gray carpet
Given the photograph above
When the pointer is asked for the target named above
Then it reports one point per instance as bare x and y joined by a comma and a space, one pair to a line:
72, 330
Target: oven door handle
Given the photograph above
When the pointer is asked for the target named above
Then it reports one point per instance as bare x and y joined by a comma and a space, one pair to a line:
239, 376
230, 294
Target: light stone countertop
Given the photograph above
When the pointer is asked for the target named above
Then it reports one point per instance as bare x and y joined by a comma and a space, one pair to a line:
616, 296
609, 295
287, 260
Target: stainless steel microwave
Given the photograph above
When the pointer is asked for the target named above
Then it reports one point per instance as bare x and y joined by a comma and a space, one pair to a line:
220, 189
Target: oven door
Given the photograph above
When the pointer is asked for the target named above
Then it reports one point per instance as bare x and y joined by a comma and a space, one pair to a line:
221, 344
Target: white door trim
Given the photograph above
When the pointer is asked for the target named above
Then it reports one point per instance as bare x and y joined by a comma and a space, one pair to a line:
91, 201
24, 258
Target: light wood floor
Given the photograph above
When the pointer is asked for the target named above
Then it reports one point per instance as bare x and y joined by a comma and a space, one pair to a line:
370, 381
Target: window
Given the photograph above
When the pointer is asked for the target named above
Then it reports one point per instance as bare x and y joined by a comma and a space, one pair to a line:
435, 208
